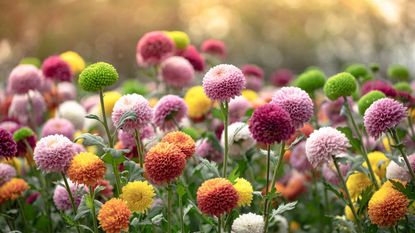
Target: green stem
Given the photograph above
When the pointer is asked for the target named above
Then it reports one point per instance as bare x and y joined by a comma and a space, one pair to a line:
220, 224
176, 124
267, 183
169, 208
225, 114
68, 190
250, 170
25, 223
349, 200
363, 148
181, 214
94, 220
400, 147
139, 146
327, 205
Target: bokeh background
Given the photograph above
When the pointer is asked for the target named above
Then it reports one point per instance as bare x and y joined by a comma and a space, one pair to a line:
273, 34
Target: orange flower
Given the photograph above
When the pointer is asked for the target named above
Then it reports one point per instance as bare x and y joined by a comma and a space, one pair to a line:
86, 168
294, 188
185, 143
114, 216
216, 197
13, 189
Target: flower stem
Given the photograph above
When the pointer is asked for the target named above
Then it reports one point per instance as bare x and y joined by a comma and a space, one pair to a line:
20, 204
169, 208
362, 146
181, 214
225, 113
400, 148
349, 200
68, 190
139, 146
265, 215
220, 224
94, 220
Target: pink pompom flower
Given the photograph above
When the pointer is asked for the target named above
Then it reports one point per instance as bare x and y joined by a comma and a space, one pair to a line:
177, 72
19, 108
281, 77
170, 110
24, 78
214, 47
58, 126
193, 56
61, 196
154, 47
55, 68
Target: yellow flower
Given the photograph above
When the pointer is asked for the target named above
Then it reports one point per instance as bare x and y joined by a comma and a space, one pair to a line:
91, 149
294, 226
153, 101
138, 195
357, 183
379, 162
386, 145
86, 168
110, 97
13, 189
245, 191
75, 61
250, 95
114, 216
197, 102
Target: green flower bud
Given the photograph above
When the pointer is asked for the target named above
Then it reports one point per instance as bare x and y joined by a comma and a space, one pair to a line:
97, 76
181, 39
403, 86
341, 84
398, 73
22, 133
357, 70
310, 80
134, 86
367, 100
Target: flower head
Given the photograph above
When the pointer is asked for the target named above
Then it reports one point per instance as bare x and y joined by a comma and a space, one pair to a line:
214, 47
403, 87
164, 162
357, 183
8, 146
216, 197
193, 56
206, 149
7, 172
182, 140
325, 143
73, 112
24, 137
61, 196
154, 47
138, 195
169, 111
330, 174
238, 108
53, 153
240, 139
296, 102
24, 78
396, 172
181, 39
248, 223
110, 98
97, 76
382, 115
75, 61
177, 72
254, 76
223, 82
12, 189
58, 126
197, 102
245, 191
364, 103
398, 72
298, 158
114, 216
281, 77
311, 80
379, 162
57, 69
86, 168
342, 84
270, 123
378, 85
134, 103
19, 108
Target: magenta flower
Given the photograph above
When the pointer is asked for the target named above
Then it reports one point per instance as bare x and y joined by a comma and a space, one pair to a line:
296, 102
177, 72
253, 70
58, 126
128, 140
66, 91
24, 78
223, 82
154, 47
282, 77
378, 85
193, 56
10, 125
8, 146
61, 196
55, 68
169, 110
324, 143
382, 115
214, 47
270, 123
7, 172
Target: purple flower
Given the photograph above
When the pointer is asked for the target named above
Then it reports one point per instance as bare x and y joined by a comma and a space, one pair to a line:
332, 109
19, 108
54, 153
6, 173
298, 158
296, 102
324, 143
270, 123
378, 85
254, 76
193, 56
8, 146
24, 78
58, 126
223, 82
177, 72
205, 149
55, 68
394, 171
61, 196
237, 108
128, 140
382, 115
169, 110
10, 125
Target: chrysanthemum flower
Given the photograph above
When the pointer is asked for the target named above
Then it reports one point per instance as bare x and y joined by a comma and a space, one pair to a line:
73, 112
240, 139
254, 76
169, 110
378, 85
19, 107
311, 80
193, 56
86, 168
216, 197
164, 163
387, 206
248, 223
182, 140
296, 102
61, 196
22, 137
238, 108
197, 102
342, 84
403, 87
57, 69
181, 39
359, 71
330, 174
298, 158
396, 172
379, 162
107, 192
7, 172
110, 98
134, 103
364, 103
97, 76
24, 78
281, 77
214, 47
294, 187
58, 126
12, 189
357, 182
138, 195
223, 82
382, 115
8, 146
270, 123
114, 216
245, 191
177, 72
75, 61
154, 47
250, 95
398, 72
325, 143
205, 149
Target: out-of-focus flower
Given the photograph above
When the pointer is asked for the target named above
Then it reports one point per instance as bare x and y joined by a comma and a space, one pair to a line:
138, 195
57, 69
216, 197
248, 223
86, 168
333, 111
110, 98
378, 85
7, 172
58, 126
153, 48
238, 108
214, 47
197, 102
311, 80
169, 111
177, 72
12, 189
61, 196
254, 76
24, 78
330, 173
397, 172
193, 56
398, 72
250, 95
24, 137
114, 216
181, 39
379, 162
20, 106
357, 182
73, 112
281, 77
298, 158
206, 149
8, 146
97, 76
293, 188
245, 191
240, 139
75, 61
183, 141
66, 91
359, 71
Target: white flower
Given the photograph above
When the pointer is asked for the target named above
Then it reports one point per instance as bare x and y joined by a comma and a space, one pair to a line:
281, 223
73, 112
248, 223
239, 138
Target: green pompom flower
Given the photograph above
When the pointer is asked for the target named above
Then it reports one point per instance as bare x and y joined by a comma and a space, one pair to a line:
31, 61
22, 133
367, 100
134, 86
97, 76
357, 70
403, 86
398, 73
310, 80
181, 39
341, 84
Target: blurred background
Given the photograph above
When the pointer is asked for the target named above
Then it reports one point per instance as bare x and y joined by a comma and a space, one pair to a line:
273, 34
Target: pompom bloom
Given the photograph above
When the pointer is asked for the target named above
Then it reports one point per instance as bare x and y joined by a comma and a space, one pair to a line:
138, 195
197, 102
364, 103
12, 189
239, 138
58, 126
183, 141
97, 76
214, 47
270, 123
8, 146
61, 196
311, 80
342, 84
216, 197
357, 182
24, 78
54, 153
177, 72
73, 112
379, 85
134, 103
296, 102
114, 216
282, 77
379, 162
382, 115
193, 56
248, 223
19, 108
86, 168
223, 82
57, 69
325, 143
169, 111
75, 61
245, 191
396, 172
164, 162
154, 47
7, 172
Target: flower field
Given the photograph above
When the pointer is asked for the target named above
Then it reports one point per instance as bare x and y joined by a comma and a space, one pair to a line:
199, 145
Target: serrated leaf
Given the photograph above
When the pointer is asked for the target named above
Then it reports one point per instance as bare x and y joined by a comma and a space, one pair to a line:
128, 115
91, 140
93, 117
283, 208
113, 154
335, 191
68, 219
211, 166
157, 219
295, 142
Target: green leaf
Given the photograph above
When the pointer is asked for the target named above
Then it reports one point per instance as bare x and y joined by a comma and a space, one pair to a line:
180, 189
214, 141
211, 166
93, 117
68, 219
216, 113
128, 115
134, 171
191, 132
114, 154
295, 142
91, 140
234, 175
249, 112
283, 208
356, 144
335, 191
